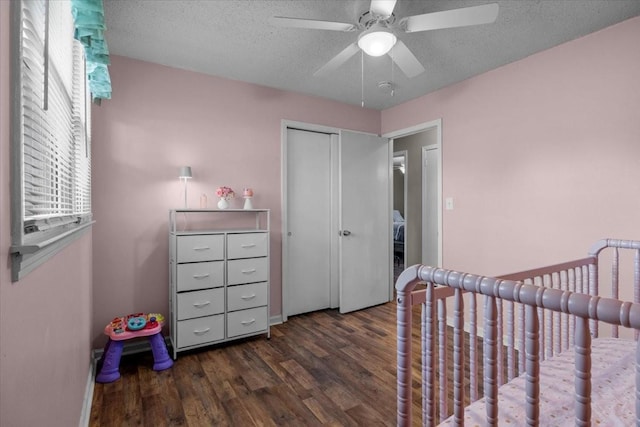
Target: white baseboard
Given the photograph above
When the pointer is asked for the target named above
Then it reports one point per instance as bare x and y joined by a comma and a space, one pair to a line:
275, 320
85, 415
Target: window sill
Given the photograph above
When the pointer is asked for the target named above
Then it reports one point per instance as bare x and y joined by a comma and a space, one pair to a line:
26, 258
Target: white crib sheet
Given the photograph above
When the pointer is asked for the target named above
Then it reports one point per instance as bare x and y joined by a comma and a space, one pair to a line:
612, 383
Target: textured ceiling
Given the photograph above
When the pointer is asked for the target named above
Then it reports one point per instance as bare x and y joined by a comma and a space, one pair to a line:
234, 39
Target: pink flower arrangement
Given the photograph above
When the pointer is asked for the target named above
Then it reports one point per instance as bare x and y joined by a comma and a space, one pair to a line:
225, 193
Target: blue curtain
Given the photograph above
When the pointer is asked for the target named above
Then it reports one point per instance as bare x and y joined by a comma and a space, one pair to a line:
88, 16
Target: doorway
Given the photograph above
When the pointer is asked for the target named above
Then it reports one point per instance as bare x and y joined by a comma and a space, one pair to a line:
399, 214
423, 192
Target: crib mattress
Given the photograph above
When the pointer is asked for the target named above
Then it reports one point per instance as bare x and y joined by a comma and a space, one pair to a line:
612, 383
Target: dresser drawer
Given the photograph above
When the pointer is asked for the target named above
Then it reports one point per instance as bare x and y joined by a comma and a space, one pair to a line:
246, 321
240, 297
200, 247
201, 330
200, 275
247, 270
200, 303
246, 245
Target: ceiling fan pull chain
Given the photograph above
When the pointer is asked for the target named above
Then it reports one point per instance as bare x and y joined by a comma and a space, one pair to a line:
362, 78
393, 83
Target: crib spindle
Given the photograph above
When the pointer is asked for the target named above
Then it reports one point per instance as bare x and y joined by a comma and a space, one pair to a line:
458, 359
615, 263
573, 279
490, 363
556, 326
499, 340
428, 358
547, 322
636, 284
521, 354
615, 268
532, 367
541, 334
638, 384
443, 359
473, 345
583, 373
564, 318
592, 289
511, 351
403, 354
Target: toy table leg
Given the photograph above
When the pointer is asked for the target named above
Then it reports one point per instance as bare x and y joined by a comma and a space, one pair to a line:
161, 359
111, 362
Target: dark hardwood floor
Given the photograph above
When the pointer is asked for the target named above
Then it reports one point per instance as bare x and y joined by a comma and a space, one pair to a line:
321, 368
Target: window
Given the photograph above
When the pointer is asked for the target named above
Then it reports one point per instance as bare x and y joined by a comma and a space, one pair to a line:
51, 138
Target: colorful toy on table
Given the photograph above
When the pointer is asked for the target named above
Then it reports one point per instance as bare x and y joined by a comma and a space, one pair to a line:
133, 326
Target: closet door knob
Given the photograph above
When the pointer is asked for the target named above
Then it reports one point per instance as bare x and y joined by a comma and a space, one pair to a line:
345, 233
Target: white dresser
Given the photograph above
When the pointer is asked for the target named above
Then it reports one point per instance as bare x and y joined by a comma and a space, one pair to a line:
219, 276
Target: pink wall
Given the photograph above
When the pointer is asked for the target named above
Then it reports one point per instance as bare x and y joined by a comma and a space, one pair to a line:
541, 156
45, 319
159, 119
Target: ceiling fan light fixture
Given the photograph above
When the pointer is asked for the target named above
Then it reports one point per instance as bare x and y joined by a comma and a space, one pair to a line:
377, 41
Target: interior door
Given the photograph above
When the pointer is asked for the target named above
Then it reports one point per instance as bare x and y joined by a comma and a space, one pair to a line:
365, 223
309, 213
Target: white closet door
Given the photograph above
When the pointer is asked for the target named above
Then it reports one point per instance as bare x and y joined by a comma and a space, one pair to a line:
365, 224
308, 221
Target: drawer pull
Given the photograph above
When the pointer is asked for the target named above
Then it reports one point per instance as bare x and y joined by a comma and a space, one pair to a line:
252, 270
201, 248
247, 297
200, 276
201, 331
248, 245
248, 322
201, 304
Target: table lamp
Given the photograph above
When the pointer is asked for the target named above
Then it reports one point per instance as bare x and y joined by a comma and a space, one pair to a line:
185, 175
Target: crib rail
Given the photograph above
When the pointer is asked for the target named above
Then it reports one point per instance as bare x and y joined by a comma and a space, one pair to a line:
545, 311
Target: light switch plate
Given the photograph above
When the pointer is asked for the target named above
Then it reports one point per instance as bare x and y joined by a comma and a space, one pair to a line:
448, 203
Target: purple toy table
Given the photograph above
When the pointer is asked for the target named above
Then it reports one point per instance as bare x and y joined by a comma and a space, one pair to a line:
133, 326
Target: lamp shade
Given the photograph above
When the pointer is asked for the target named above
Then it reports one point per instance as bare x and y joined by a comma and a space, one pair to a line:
377, 41
185, 172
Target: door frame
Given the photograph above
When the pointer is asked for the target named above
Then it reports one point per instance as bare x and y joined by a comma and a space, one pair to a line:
437, 126
335, 279
334, 290
424, 181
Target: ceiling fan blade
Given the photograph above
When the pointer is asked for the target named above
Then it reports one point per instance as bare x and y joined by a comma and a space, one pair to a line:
405, 60
382, 8
338, 60
312, 24
475, 15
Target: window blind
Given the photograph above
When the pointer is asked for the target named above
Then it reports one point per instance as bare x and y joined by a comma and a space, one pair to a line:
52, 139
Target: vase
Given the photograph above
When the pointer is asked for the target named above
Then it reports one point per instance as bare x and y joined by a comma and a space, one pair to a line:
223, 204
247, 203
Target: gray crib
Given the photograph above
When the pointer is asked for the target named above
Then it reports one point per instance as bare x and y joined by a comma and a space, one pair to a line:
540, 343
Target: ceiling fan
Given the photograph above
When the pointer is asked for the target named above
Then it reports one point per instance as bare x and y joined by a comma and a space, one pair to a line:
378, 31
